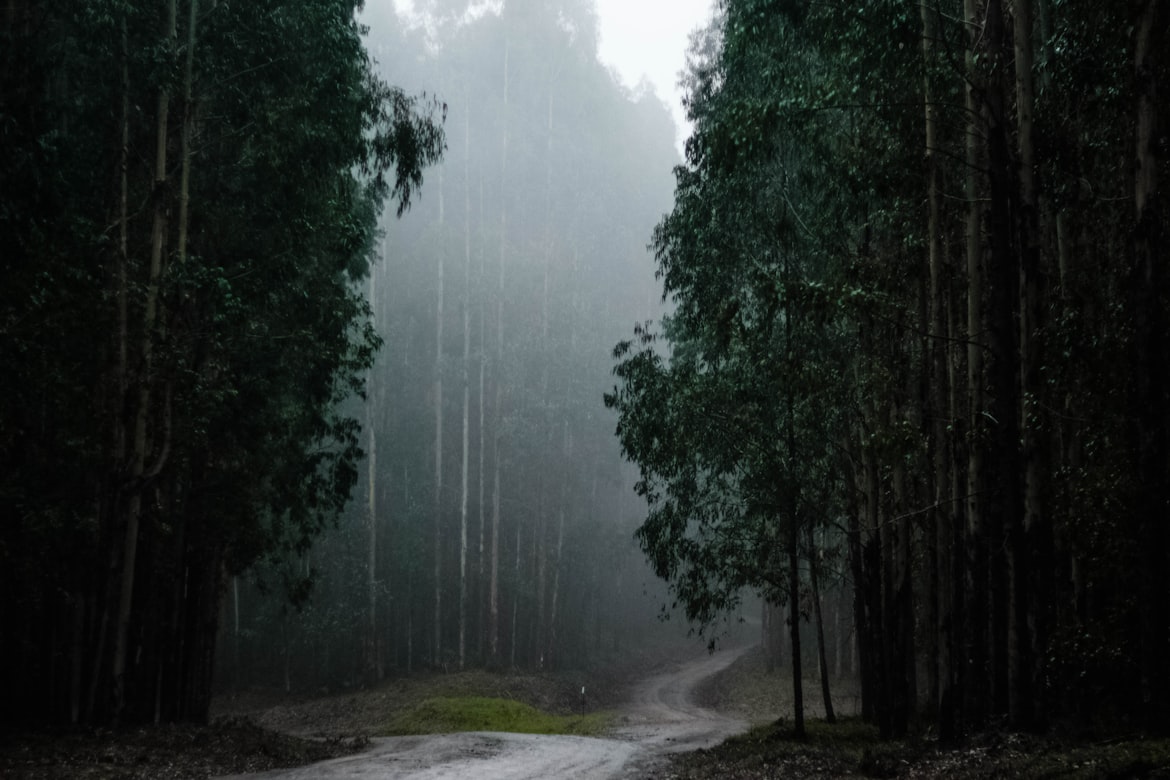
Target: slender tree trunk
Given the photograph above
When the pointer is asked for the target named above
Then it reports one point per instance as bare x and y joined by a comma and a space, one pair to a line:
814, 581
123, 253
237, 672
1031, 590
497, 417
954, 548
540, 530
551, 647
409, 586
187, 130
1005, 516
884, 534
466, 390
536, 626
371, 670
794, 628
838, 637
941, 660
862, 589
976, 590
903, 662
794, 512
140, 441
515, 594
191, 693
480, 476
766, 637
1150, 395
437, 502
114, 500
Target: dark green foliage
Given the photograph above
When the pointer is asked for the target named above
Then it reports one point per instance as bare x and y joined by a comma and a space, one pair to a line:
967, 411
237, 365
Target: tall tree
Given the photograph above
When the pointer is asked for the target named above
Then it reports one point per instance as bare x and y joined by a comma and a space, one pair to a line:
466, 382
1151, 393
437, 485
222, 326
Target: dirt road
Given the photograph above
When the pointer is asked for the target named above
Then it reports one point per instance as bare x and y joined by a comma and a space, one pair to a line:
661, 718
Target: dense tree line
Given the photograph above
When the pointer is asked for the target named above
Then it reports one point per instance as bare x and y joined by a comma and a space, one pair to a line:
189, 196
492, 518
917, 262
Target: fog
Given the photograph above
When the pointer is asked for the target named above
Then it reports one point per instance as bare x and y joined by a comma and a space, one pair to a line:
493, 520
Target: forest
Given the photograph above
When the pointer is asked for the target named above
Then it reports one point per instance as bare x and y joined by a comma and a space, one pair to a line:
277, 412
492, 518
917, 268
190, 201
318, 319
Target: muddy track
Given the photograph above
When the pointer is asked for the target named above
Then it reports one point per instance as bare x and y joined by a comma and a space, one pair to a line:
660, 718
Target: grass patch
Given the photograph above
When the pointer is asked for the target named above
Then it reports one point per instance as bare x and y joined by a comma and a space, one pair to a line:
771, 751
442, 715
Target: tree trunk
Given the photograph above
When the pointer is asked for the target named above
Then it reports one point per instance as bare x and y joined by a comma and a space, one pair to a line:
497, 418
187, 129
976, 587
1150, 394
551, 648
140, 441
540, 531
794, 627
902, 665
481, 591
437, 501
814, 580
371, 670
794, 514
766, 638
466, 390
515, 594
1004, 519
1032, 548
941, 652
123, 255
862, 589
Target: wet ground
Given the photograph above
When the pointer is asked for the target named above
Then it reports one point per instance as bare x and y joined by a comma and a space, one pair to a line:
662, 717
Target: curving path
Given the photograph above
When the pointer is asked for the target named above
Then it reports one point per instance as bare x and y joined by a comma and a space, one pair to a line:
661, 718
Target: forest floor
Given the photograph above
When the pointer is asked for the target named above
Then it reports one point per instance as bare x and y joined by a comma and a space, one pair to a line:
263, 730
259, 730
851, 749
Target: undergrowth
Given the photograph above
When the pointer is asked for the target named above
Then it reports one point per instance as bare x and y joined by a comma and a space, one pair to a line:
442, 715
852, 749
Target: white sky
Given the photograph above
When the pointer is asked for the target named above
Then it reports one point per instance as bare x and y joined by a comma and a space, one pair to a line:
649, 38
646, 38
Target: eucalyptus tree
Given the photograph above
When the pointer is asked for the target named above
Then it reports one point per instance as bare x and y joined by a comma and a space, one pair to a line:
1151, 339
730, 423
215, 297
980, 211
556, 178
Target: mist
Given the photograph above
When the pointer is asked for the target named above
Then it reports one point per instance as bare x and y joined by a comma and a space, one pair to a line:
493, 519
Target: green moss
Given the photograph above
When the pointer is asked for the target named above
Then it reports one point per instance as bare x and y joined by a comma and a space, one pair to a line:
476, 713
